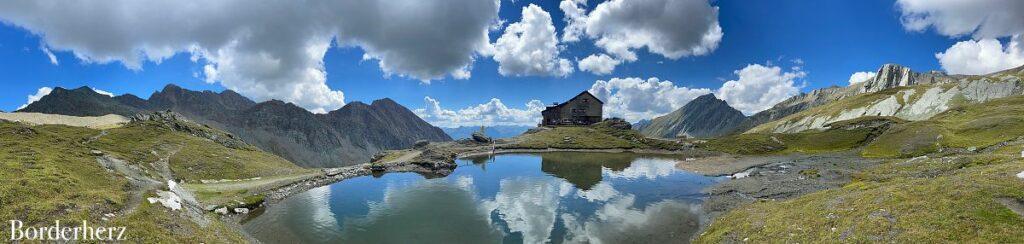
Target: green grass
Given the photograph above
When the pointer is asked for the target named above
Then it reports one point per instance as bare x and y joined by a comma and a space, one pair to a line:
842, 136
48, 173
597, 136
977, 125
152, 223
903, 201
191, 158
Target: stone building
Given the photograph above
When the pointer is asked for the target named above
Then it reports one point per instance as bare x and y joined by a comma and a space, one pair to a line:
583, 109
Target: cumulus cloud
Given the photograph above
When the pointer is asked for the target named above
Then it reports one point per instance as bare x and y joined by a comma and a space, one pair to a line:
670, 28
599, 64
979, 18
42, 92
861, 77
266, 49
986, 56
983, 20
423, 39
530, 47
759, 87
575, 16
634, 99
492, 113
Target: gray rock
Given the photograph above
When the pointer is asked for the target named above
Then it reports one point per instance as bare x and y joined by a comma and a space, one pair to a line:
96, 152
241, 210
221, 211
480, 137
421, 144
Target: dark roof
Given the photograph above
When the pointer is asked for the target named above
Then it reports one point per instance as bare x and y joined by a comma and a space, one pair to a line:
574, 97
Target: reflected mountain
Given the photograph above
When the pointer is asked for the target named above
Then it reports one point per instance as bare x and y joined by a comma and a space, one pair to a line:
584, 170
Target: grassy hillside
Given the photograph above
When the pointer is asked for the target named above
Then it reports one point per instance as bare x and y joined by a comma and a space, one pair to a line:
604, 135
51, 172
841, 136
969, 126
952, 199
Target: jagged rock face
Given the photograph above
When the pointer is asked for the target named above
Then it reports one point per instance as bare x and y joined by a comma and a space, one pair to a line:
926, 96
888, 76
705, 116
894, 75
346, 136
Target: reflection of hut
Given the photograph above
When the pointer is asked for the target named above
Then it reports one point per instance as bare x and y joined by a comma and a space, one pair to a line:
583, 109
583, 170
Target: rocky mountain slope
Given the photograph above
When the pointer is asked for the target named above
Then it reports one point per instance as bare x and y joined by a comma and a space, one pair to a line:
347, 136
895, 91
705, 116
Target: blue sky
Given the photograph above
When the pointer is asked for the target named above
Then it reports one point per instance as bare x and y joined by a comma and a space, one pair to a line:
833, 39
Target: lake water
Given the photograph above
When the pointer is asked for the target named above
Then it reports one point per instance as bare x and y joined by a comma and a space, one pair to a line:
512, 198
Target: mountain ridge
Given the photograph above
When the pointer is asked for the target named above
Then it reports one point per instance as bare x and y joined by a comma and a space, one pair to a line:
704, 116
346, 136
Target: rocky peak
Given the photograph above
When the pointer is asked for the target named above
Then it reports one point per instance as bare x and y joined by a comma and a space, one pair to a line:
889, 76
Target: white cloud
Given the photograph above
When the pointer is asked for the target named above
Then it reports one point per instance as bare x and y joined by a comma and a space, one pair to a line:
979, 18
862, 76
634, 99
102, 92
266, 49
599, 64
49, 54
759, 87
423, 39
492, 113
670, 28
42, 92
982, 57
575, 13
530, 47
983, 20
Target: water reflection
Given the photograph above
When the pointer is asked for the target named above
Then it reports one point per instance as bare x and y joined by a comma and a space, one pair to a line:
551, 197
584, 170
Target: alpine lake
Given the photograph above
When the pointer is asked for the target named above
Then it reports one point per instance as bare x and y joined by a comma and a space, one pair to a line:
552, 197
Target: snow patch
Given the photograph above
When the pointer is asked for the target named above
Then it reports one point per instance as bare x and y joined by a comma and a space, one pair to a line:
1020, 175
168, 199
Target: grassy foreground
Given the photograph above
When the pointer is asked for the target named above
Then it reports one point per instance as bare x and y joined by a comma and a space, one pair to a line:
51, 172
951, 199
963, 191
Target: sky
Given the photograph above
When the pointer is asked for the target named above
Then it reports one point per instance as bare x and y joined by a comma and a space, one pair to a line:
491, 62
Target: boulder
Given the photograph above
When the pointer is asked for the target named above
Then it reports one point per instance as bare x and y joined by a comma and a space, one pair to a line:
241, 210
480, 137
616, 123
421, 144
221, 211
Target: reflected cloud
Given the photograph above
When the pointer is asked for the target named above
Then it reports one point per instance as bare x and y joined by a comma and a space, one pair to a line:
529, 206
411, 213
618, 222
645, 168
599, 193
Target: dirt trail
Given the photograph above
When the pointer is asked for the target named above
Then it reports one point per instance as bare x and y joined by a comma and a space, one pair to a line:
137, 179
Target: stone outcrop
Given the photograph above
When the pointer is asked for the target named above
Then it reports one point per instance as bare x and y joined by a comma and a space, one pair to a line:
909, 96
